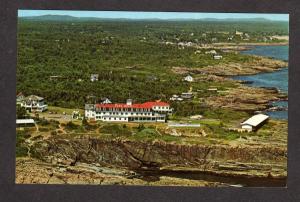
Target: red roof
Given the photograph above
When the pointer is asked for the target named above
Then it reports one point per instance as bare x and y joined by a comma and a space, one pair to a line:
146, 105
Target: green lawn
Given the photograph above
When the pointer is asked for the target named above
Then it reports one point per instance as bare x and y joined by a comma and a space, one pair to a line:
61, 110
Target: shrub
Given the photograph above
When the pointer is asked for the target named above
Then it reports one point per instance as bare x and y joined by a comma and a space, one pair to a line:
43, 122
141, 127
115, 129
71, 126
21, 149
146, 134
53, 133
84, 122
43, 129
86, 126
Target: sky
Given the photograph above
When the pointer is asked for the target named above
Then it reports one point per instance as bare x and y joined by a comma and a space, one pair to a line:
149, 15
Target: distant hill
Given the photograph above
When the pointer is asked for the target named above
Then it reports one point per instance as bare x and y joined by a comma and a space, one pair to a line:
72, 18
238, 19
51, 18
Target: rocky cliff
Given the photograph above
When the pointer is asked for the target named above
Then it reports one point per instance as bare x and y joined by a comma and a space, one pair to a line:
255, 161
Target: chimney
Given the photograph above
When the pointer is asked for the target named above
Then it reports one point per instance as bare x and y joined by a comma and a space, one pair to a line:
129, 102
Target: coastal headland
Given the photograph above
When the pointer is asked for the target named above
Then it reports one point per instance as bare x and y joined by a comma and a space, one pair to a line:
62, 150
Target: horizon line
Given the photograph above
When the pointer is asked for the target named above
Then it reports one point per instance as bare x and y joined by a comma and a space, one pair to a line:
140, 15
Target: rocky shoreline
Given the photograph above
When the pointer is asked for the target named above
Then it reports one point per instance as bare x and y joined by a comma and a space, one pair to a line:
34, 171
243, 97
258, 65
119, 161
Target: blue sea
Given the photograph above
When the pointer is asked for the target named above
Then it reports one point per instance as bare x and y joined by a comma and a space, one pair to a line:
278, 79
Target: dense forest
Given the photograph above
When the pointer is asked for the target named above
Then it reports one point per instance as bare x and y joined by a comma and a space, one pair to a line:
56, 58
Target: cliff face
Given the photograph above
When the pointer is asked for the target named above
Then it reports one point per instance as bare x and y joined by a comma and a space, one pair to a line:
219, 159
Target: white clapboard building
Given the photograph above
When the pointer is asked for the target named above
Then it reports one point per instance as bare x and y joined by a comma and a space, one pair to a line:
33, 103
156, 111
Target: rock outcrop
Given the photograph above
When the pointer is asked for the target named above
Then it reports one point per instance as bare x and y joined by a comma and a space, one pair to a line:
259, 161
257, 65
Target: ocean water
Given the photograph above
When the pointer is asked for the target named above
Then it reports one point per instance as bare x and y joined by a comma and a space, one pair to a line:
278, 79
278, 52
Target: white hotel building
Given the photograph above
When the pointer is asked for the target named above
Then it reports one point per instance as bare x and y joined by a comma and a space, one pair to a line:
145, 112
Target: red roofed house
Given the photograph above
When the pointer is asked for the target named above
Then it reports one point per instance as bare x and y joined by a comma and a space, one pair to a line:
145, 112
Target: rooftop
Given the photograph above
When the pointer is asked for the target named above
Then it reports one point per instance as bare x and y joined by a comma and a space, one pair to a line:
147, 105
255, 120
34, 97
24, 121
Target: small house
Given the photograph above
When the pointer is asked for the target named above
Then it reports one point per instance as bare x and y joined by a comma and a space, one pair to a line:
189, 44
212, 89
34, 103
176, 98
196, 117
188, 95
105, 101
20, 98
218, 57
212, 52
238, 33
247, 36
189, 78
94, 77
254, 122
55, 77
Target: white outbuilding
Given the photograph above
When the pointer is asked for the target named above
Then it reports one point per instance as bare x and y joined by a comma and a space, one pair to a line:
218, 57
94, 77
254, 122
189, 78
25, 122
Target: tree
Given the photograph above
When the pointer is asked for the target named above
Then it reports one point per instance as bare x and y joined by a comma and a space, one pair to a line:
21, 112
84, 122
